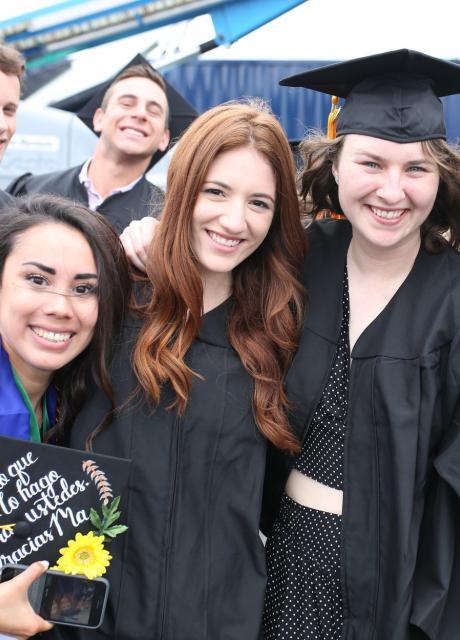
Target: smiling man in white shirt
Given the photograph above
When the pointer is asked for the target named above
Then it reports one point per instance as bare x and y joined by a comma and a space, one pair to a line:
132, 123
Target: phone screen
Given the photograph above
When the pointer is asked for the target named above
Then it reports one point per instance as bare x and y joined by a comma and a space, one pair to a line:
67, 599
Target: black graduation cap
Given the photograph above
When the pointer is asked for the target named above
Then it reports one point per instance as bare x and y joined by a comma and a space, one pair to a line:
46, 495
85, 104
393, 95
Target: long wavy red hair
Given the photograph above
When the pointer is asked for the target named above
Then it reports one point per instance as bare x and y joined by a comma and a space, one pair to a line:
265, 321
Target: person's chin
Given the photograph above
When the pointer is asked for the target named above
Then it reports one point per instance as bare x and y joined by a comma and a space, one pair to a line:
136, 153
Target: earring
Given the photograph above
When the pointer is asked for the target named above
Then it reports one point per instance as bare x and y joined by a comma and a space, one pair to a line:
336, 178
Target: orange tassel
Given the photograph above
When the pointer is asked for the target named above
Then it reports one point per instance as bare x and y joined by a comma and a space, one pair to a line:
326, 215
332, 118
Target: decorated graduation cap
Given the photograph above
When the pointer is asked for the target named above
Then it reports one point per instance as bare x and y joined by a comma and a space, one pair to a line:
53, 499
85, 104
394, 95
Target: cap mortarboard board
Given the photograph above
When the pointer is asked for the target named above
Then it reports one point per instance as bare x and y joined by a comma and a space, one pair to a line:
393, 95
85, 104
46, 496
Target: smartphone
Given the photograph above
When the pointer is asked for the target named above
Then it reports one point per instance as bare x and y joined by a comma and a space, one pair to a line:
64, 599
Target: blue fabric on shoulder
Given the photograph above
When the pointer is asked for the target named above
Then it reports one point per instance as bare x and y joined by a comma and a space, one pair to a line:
14, 415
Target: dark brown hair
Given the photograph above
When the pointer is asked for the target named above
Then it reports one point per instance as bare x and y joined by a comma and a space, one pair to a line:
75, 379
266, 317
12, 63
319, 190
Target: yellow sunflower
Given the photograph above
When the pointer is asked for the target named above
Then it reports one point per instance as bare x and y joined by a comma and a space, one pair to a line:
85, 555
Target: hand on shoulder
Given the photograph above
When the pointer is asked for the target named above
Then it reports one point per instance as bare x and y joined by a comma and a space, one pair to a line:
136, 239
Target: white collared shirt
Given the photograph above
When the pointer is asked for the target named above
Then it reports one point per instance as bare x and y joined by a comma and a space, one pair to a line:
94, 199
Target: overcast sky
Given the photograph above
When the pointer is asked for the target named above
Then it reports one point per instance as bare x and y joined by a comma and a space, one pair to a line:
317, 29
340, 29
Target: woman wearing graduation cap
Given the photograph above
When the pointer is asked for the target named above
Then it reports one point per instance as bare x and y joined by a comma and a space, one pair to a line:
366, 544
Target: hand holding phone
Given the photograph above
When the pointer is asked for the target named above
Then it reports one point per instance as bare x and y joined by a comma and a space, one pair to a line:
17, 618
64, 599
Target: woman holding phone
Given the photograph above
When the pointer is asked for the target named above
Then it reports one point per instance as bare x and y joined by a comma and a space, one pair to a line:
63, 282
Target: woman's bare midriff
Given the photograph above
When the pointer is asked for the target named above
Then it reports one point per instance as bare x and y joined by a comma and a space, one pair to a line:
313, 494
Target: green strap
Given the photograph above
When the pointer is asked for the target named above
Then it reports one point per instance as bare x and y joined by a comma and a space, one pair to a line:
35, 432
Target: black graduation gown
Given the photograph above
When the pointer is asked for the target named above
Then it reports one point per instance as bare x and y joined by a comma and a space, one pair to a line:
193, 562
401, 534
5, 199
144, 199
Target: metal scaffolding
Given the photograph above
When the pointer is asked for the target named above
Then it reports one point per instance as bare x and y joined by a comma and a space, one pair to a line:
54, 32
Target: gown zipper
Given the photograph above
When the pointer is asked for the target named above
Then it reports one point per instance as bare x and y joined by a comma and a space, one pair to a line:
170, 529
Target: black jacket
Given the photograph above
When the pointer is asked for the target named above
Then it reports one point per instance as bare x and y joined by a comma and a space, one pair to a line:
401, 534
5, 199
144, 199
193, 562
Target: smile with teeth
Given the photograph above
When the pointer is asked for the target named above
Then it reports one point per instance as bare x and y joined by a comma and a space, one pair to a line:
52, 336
387, 214
226, 242
135, 132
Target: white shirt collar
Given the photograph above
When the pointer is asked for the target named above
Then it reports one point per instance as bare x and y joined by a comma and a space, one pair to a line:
94, 199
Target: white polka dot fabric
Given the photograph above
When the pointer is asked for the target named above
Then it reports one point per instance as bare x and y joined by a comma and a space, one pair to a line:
303, 597
321, 457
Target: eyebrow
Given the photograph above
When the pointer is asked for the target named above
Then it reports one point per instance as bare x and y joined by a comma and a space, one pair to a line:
131, 96
373, 156
52, 272
226, 186
363, 152
421, 161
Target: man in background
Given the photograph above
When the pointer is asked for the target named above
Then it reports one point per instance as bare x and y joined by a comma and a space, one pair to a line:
12, 67
132, 121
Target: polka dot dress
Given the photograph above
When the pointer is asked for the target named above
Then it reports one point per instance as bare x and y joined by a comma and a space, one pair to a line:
321, 457
303, 598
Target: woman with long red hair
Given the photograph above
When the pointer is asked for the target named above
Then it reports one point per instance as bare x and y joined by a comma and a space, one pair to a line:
205, 393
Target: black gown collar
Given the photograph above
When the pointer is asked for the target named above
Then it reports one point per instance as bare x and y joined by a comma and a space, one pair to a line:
408, 319
214, 324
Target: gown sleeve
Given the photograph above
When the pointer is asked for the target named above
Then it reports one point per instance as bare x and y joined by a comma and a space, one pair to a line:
436, 600
18, 187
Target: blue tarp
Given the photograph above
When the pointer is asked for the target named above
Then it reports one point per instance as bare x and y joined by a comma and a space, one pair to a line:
208, 83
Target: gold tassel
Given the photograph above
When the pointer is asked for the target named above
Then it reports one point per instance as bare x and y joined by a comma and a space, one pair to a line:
331, 134
332, 118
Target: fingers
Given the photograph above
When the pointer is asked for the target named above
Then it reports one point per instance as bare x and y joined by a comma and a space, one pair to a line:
35, 625
136, 239
17, 618
40, 626
25, 578
24, 581
130, 250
